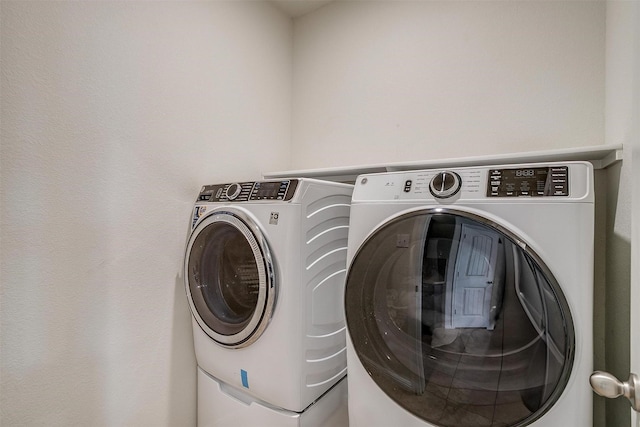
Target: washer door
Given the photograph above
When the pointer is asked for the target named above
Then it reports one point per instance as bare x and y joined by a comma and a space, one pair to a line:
229, 278
459, 322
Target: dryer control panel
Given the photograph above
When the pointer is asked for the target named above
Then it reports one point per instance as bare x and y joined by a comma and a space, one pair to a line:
249, 191
528, 181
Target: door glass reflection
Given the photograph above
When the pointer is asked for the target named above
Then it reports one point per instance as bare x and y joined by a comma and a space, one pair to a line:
224, 280
457, 323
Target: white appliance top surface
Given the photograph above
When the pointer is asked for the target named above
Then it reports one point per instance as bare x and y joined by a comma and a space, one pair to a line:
601, 156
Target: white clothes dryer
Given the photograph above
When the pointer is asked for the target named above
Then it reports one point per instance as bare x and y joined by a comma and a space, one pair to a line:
264, 271
469, 297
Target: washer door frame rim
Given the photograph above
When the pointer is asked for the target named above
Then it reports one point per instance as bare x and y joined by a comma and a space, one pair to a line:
265, 306
489, 220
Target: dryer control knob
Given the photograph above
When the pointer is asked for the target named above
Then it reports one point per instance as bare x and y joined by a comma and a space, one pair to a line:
445, 184
233, 191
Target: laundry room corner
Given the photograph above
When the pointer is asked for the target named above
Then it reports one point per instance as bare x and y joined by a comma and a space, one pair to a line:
121, 120
113, 116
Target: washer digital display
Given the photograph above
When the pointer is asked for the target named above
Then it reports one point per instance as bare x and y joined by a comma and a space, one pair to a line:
269, 190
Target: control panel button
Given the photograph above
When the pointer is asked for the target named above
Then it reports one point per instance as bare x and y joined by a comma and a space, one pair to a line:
445, 184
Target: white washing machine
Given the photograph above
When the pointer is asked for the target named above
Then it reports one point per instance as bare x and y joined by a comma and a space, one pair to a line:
264, 270
469, 297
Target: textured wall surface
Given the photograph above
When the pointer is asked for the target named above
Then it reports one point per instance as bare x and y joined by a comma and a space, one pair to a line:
392, 81
113, 116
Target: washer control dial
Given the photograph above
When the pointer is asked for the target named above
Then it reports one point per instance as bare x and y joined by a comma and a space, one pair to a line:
445, 184
233, 191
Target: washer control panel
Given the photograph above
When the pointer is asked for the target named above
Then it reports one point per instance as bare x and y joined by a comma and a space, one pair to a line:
531, 182
249, 191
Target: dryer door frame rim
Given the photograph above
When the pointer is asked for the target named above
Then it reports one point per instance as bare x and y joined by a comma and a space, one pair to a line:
476, 215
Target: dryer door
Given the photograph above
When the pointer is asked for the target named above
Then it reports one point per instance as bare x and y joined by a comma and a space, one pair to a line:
230, 278
459, 322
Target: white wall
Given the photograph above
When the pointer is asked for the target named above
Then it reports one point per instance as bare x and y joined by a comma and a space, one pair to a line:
113, 115
389, 81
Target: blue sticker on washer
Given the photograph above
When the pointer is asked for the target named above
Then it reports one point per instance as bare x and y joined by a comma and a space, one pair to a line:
245, 380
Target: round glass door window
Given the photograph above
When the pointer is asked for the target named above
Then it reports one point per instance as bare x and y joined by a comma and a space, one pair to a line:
229, 278
457, 322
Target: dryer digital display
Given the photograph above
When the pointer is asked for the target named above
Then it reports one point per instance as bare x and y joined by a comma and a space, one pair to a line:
528, 182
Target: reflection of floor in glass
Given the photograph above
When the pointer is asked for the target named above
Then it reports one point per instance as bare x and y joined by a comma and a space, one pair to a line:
469, 383
476, 377
451, 407
462, 391
471, 391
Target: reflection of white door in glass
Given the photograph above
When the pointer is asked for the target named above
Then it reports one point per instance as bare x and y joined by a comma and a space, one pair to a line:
473, 281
